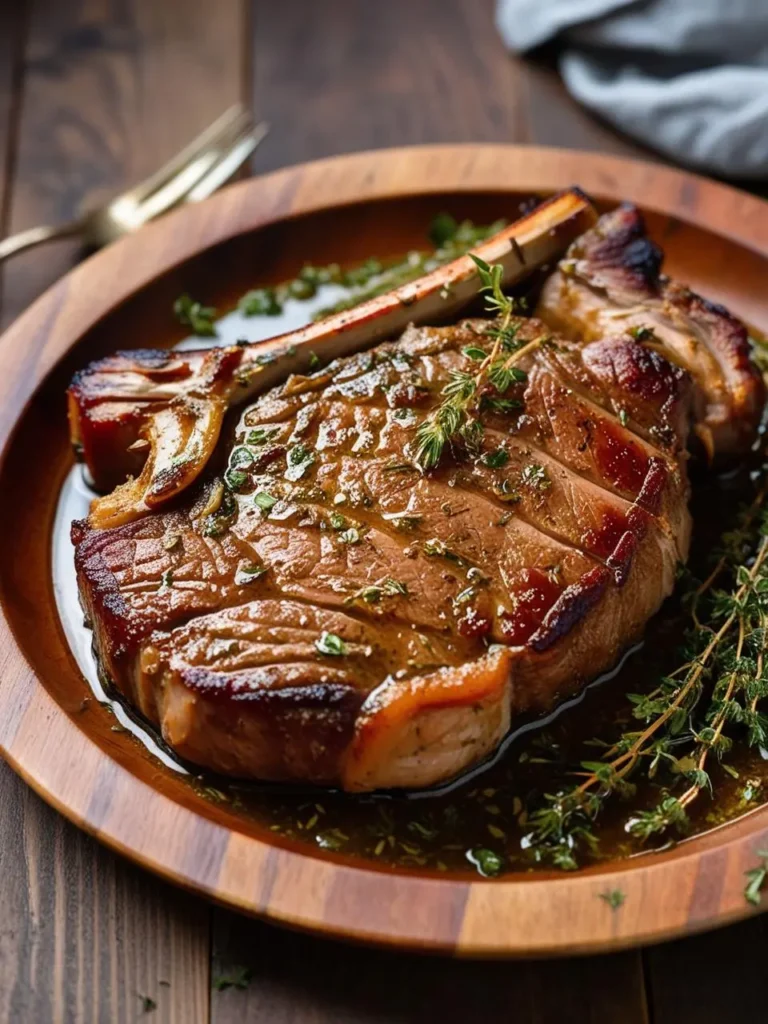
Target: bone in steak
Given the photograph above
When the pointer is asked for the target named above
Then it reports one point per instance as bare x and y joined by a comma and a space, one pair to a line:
329, 613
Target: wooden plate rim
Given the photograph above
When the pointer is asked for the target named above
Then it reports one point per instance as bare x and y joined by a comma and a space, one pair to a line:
697, 885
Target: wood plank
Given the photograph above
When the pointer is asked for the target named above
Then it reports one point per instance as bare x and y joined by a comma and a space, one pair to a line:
343, 76
109, 91
85, 936
297, 979
13, 21
711, 978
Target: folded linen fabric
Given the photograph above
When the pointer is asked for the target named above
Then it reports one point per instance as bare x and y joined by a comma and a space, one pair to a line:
688, 77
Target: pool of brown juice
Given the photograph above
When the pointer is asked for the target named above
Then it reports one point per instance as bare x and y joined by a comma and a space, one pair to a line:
488, 808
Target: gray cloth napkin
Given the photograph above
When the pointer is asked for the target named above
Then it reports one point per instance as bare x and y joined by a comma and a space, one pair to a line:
688, 77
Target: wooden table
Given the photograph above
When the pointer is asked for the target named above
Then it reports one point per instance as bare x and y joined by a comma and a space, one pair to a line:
93, 95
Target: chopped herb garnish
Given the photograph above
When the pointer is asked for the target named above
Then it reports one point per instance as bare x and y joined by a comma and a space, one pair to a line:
442, 229
239, 977
248, 573
196, 316
299, 459
259, 436
536, 476
264, 501
642, 333
235, 478
241, 458
756, 879
487, 862
350, 536
495, 459
314, 360
332, 645
623, 418
166, 580
613, 897
148, 1004
504, 406
385, 588
337, 520
474, 352
260, 302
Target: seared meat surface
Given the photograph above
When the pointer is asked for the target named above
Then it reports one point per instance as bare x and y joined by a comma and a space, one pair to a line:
610, 281
329, 612
325, 609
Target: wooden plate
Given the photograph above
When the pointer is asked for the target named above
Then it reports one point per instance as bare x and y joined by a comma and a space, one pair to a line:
345, 208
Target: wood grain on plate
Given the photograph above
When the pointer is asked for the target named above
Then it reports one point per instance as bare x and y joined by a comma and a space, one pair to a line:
715, 238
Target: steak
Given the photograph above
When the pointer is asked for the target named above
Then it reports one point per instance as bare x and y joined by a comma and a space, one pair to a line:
336, 615
325, 610
610, 280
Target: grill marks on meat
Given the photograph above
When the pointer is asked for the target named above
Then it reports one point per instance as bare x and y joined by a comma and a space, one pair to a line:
559, 550
610, 282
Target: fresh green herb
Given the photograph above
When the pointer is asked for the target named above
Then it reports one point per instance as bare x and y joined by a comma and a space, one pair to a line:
235, 478
260, 302
302, 288
536, 476
241, 457
166, 580
442, 229
350, 536
623, 417
487, 862
385, 588
495, 459
682, 731
332, 645
337, 520
474, 352
642, 333
756, 879
613, 897
457, 418
196, 316
299, 459
504, 406
259, 436
314, 360
248, 573
434, 547
148, 1005
265, 501
239, 977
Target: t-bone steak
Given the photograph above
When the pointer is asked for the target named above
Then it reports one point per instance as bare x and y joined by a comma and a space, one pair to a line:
325, 610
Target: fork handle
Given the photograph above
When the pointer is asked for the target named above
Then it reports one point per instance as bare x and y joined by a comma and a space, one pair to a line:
36, 236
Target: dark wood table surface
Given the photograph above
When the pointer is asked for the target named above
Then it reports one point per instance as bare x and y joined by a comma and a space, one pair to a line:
95, 94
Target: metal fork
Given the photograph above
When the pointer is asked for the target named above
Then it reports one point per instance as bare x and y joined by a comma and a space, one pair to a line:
193, 174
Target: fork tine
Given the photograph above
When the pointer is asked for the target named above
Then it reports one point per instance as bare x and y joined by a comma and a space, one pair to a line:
233, 119
227, 165
210, 169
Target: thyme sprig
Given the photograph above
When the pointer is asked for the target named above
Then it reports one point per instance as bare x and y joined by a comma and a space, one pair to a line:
458, 417
688, 719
